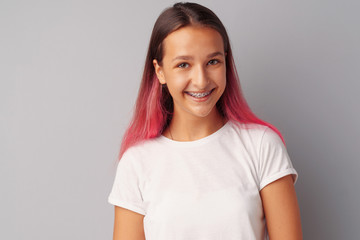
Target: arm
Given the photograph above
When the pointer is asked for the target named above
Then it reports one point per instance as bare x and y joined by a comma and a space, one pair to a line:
281, 210
128, 225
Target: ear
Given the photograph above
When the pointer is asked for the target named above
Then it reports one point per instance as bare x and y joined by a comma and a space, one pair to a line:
159, 72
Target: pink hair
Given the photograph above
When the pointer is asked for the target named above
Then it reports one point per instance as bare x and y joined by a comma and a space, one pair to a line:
153, 105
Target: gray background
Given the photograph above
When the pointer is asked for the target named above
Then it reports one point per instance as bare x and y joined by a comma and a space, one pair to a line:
70, 71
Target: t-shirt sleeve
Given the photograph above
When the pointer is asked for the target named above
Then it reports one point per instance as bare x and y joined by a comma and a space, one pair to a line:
126, 187
274, 160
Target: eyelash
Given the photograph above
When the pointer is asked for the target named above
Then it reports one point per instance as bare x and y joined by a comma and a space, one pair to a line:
218, 61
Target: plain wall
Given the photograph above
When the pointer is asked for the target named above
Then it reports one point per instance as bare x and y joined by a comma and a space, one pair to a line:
70, 72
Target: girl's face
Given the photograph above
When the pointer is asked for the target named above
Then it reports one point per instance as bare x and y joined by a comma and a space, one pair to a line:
193, 62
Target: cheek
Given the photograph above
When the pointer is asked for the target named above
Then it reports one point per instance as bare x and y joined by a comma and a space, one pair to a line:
220, 77
177, 83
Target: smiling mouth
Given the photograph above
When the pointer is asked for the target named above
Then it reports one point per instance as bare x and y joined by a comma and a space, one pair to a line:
200, 95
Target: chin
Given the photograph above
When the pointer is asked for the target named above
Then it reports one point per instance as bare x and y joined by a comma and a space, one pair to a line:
201, 114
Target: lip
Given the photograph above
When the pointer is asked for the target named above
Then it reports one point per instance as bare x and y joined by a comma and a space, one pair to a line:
203, 99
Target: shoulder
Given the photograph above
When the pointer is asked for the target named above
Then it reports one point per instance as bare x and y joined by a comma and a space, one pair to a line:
252, 128
256, 136
253, 132
141, 150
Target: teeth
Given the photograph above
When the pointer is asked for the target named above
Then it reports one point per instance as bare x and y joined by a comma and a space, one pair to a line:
199, 95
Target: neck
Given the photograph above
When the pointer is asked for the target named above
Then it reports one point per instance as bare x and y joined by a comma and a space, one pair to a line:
193, 128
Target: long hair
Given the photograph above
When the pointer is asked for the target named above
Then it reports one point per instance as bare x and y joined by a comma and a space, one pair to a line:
154, 104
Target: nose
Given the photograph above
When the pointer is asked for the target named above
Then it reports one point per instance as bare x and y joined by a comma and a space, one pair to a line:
199, 78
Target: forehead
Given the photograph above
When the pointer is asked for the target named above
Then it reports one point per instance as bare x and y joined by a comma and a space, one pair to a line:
192, 40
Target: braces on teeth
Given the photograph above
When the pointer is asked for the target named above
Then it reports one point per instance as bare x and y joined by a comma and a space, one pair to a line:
199, 94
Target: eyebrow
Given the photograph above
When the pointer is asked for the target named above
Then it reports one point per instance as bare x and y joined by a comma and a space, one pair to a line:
189, 57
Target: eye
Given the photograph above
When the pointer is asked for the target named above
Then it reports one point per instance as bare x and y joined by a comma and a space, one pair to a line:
213, 61
183, 65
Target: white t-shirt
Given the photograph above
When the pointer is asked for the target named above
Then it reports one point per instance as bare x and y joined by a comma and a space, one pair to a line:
207, 189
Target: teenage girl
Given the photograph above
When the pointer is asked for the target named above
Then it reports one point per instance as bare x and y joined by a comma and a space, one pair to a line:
195, 161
